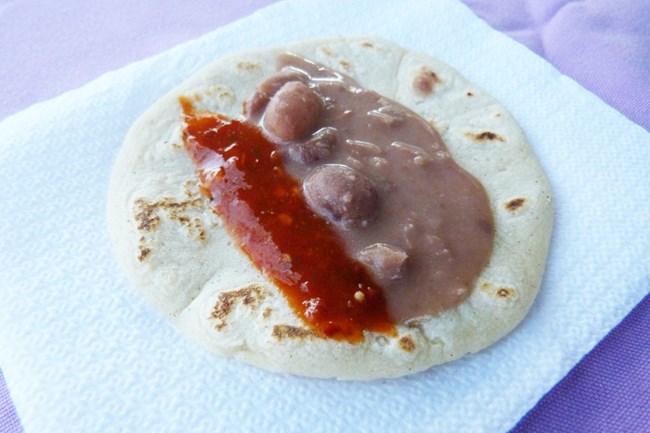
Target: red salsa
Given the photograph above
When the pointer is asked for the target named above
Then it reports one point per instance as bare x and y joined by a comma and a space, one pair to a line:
263, 207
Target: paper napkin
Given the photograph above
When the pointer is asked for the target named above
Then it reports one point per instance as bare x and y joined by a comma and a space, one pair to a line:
83, 352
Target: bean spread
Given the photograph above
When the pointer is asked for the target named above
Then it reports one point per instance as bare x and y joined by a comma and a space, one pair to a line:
348, 200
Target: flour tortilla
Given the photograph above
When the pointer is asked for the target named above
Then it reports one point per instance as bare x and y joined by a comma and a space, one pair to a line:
175, 249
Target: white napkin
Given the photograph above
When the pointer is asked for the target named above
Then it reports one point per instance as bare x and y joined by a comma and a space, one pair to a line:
82, 352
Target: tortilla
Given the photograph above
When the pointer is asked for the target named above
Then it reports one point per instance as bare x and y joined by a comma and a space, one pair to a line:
175, 249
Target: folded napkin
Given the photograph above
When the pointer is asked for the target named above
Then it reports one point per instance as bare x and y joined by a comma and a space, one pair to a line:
82, 352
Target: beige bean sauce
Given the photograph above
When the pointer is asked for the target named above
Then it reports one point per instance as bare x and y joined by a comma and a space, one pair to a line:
382, 176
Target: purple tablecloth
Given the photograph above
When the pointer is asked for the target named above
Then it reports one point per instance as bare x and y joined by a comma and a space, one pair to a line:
47, 48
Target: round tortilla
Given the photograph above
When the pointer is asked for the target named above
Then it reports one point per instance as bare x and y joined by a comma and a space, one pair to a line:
176, 251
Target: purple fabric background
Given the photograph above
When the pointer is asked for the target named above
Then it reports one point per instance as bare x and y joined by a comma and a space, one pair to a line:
47, 48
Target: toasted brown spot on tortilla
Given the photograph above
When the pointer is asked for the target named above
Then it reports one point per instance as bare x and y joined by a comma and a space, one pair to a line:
485, 136
433, 76
250, 296
425, 81
326, 51
194, 225
367, 45
267, 312
226, 96
223, 93
406, 344
143, 250
287, 331
505, 292
515, 204
191, 188
144, 253
248, 66
470, 94
201, 233
345, 64
148, 215
168, 203
146, 219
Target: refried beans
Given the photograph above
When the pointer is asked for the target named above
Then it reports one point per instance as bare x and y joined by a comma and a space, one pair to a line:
379, 177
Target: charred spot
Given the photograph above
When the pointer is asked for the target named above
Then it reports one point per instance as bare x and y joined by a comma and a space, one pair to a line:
267, 312
505, 292
247, 66
432, 76
146, 218
168, 203
425, 81
201, 234
367, 45
250, 296
501, 292
191, 188
148, 215
281, 332
144, 253
470, 94
485, 136
515, 204
406, 344
221, 91
345, 65
225, 94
